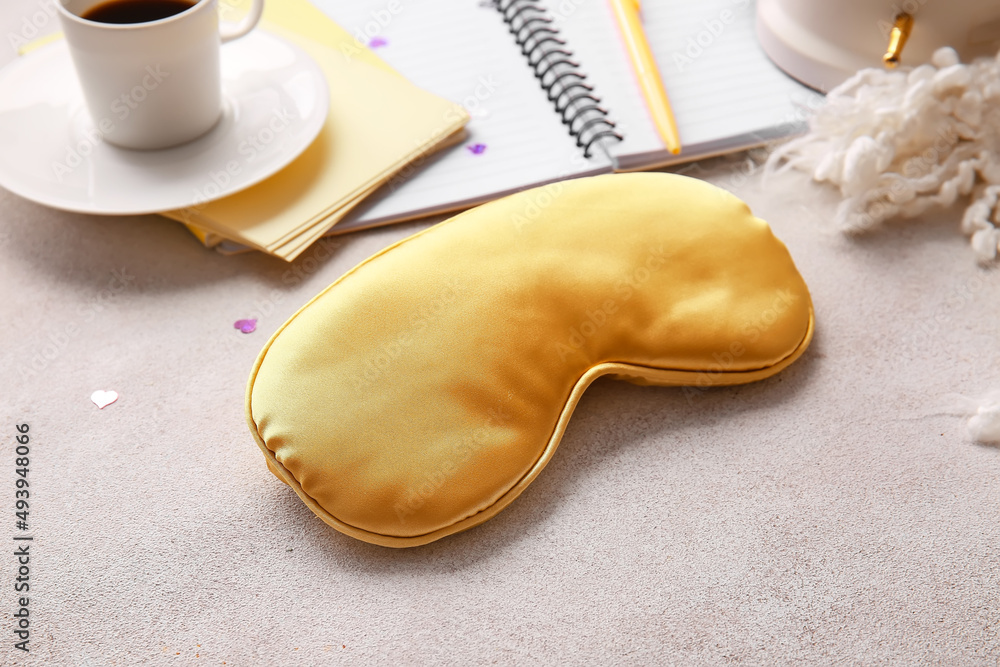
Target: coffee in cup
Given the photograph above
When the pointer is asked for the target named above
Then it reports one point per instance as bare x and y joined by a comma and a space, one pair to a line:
150, 69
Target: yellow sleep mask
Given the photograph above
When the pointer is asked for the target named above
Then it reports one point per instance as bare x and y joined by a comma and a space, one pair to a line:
423, 391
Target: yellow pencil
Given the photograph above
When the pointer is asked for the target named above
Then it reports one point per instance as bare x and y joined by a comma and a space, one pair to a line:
627, 14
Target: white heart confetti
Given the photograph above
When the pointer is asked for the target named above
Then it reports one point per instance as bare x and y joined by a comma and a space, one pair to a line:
103, 399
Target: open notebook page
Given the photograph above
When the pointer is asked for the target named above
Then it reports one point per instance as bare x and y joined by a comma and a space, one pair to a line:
725, 93
463, 52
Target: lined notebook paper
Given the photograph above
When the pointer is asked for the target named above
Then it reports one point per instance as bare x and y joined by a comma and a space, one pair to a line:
725, 93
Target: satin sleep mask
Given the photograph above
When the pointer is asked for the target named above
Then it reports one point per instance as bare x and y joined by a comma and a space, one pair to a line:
423, 391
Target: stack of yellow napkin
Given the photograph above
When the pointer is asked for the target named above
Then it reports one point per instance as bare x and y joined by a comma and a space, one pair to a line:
379, 123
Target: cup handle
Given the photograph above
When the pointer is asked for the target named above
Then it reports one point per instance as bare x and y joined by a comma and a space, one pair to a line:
230, 31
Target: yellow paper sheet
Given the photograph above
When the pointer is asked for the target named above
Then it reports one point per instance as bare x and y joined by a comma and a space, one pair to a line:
378, 124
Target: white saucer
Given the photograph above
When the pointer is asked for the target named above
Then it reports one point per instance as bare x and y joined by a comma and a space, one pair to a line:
276, 100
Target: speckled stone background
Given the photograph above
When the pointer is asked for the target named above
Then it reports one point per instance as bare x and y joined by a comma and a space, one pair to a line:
834, 514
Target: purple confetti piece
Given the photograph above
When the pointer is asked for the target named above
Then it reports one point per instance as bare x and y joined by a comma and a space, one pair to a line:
477, 149
246, 326
377, 42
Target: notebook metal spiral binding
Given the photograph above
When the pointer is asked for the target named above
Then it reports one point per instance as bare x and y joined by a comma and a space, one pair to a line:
558, 74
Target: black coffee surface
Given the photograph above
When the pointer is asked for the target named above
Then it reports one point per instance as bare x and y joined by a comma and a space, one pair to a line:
136, 11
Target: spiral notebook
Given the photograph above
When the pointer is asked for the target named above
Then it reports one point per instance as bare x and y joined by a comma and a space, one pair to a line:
497, 58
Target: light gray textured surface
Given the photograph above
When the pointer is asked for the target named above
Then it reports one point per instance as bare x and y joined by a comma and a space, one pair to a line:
825, 515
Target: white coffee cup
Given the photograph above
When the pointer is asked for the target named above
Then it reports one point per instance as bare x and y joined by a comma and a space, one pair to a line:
152, 85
